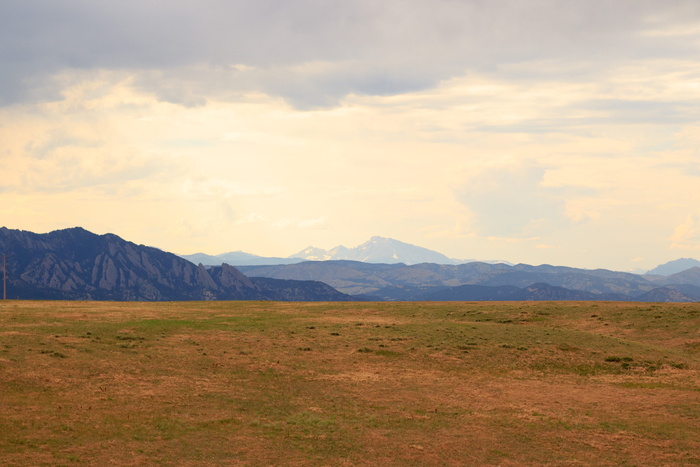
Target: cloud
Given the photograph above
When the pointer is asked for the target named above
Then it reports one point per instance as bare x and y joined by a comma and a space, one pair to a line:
687, 235
513, 201
314, 52
131, 115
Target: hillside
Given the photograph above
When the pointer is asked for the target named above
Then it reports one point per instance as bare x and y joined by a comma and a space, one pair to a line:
74, 264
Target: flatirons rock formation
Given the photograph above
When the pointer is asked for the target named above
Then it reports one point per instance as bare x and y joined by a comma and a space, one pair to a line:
77, 264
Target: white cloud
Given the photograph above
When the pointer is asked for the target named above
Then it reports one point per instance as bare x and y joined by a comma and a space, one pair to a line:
687, 235
511, 201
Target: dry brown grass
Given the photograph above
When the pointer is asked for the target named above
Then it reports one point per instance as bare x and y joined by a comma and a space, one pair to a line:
257, 383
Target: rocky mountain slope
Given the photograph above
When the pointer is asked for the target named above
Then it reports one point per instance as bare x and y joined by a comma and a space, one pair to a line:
77, 264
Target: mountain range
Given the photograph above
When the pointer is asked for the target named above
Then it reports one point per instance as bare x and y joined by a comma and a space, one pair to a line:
74, 264
375, 250
483, 281
382, 250
675, 266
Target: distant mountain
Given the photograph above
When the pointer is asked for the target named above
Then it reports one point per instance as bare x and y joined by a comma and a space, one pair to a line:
483, 281
298, 291
237, 258
350, 277
470, 292
667, 294
674, 266
377, 250
75, 264
689, 276
355, 277
534, 292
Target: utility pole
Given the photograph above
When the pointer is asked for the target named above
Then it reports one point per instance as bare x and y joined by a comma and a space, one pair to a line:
4, 276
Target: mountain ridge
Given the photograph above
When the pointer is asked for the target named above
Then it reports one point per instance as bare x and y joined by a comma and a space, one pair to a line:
75, 264
391, 251
418, 282
674, 267
377, 250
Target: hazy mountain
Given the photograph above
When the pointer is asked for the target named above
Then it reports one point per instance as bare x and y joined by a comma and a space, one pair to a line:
237, 258
377, 250
298, 291
469, 292
366, 278
674, 266
688, 276
667, 294
428, 281
77, 264
534, 292
692, 292
202, 258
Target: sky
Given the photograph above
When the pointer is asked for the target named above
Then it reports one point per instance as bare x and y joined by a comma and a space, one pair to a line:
544, 132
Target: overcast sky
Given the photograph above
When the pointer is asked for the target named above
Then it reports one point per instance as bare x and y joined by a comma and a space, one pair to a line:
562, 132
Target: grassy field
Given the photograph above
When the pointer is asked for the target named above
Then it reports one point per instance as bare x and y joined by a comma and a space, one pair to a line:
260, 383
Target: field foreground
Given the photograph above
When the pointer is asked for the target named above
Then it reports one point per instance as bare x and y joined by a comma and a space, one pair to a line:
265, 383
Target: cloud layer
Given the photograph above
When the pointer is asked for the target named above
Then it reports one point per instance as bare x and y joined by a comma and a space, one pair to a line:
539, 131
315, 52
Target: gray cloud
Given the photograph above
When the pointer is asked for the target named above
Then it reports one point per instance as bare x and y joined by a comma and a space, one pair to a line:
605, 112
369, 47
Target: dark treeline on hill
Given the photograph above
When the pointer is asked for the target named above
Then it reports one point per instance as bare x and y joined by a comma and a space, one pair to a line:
74, 264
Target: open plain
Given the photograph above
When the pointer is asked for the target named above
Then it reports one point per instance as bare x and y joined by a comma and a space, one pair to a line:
272, 383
